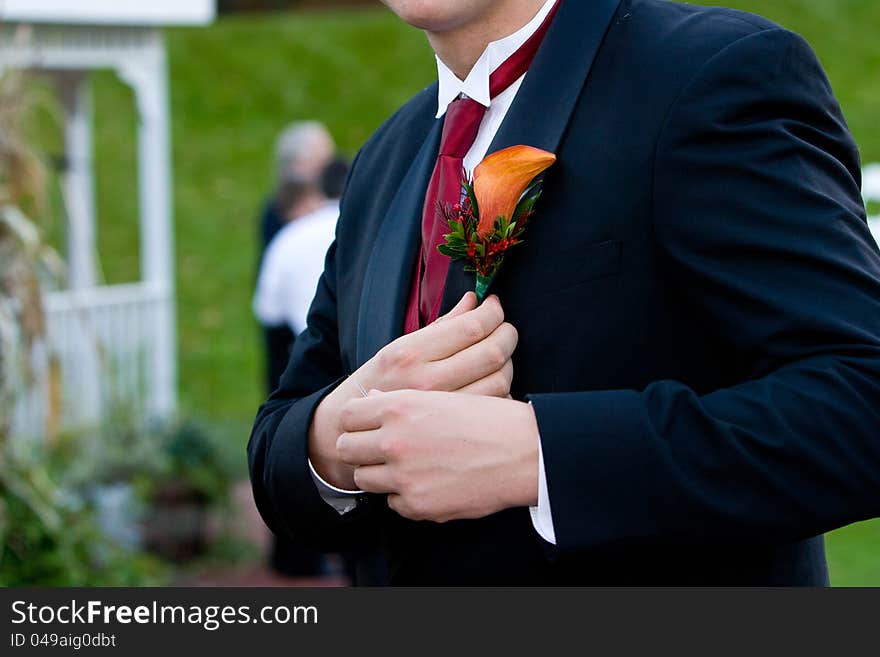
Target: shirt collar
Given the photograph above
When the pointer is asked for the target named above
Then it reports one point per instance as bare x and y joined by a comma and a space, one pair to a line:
476, 85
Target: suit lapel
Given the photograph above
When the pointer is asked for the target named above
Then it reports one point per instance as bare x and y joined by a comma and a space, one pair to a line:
544, 104
390, 270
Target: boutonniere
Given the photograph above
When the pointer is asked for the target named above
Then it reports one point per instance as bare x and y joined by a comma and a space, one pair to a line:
498, 201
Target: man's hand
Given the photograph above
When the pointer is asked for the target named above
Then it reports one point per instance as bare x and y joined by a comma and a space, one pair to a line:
442, 456
468, 350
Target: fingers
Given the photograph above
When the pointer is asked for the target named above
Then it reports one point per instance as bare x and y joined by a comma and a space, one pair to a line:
374, 479
443, 339
496, 384
362, 413
361, 448
477, 361
467, 303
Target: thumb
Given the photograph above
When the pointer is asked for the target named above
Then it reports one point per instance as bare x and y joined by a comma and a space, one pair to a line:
467, 303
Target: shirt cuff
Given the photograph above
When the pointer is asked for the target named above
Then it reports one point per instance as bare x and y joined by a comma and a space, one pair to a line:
340, 499
542, 518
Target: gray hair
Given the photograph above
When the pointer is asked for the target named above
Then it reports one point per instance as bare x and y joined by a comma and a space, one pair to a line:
297, 143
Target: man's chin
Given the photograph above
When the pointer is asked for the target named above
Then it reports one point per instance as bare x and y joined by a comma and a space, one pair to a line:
429, 23
432, 15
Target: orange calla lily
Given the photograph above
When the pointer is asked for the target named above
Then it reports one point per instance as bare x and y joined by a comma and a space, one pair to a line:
501, 179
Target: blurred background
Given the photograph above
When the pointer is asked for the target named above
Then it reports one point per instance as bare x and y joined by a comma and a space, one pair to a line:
140, 164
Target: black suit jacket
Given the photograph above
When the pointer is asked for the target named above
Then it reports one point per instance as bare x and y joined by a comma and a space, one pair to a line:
698, 304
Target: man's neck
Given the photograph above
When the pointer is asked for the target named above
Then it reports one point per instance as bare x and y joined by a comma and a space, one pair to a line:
460, 47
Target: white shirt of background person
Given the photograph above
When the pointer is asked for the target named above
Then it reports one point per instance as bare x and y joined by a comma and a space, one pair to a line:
292, 266
476, 86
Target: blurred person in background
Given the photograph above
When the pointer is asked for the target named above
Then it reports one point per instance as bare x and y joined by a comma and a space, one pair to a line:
302, 152
287, 280
295, 198
294, 259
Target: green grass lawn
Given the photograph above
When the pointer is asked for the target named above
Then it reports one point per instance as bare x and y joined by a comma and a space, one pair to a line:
234, 87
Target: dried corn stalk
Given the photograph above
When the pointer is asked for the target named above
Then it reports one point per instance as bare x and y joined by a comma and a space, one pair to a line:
24, 258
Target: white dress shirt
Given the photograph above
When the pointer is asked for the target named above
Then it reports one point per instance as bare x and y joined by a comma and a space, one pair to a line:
476, 86
292, 265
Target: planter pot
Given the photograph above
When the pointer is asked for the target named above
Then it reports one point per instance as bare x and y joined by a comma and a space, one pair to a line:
176, 528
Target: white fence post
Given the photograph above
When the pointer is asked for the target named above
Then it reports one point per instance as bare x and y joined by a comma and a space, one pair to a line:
78, 185
78, 177
148, 76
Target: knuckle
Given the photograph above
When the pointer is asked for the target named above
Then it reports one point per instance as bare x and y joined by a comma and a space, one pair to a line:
346, 416
395, 410
405, 357
396, 356
387, 446
495, 356
384, 359
500, 385
392, 447
472, 329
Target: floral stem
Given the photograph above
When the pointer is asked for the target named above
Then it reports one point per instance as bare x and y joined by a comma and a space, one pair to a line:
482, 287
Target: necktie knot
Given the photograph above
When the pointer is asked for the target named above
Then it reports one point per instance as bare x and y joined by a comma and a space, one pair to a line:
463, 118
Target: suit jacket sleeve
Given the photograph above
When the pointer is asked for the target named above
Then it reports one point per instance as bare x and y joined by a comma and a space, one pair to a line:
760, 227
284, 491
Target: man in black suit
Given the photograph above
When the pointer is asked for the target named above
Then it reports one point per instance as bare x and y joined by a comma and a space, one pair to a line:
694, 372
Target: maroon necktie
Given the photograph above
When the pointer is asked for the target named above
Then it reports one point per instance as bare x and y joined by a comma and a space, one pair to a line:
460, 127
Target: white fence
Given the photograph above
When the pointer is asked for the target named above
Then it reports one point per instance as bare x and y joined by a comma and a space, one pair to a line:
106, 345
101, 354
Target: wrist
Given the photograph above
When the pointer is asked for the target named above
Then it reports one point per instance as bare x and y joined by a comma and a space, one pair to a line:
524, 484
324, 432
